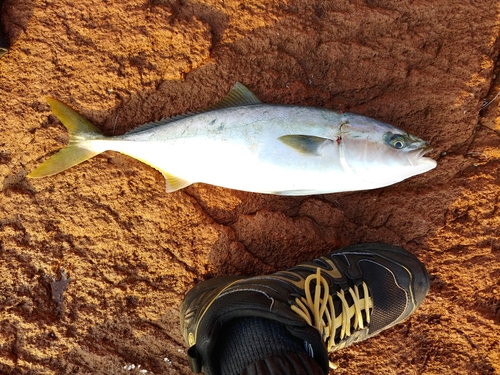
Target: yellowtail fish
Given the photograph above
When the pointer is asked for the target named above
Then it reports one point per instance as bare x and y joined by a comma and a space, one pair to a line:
244, 144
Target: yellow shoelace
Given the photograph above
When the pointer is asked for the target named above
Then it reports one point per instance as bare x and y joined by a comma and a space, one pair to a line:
323, 311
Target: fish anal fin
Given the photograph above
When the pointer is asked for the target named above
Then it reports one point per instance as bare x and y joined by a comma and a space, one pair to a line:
305, 144
64, 159
174, 183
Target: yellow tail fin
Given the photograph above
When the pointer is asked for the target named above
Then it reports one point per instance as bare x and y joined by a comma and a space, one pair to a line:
80, 129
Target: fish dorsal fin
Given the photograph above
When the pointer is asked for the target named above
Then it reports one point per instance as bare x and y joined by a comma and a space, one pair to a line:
238, 96
305, 144
174, 183
154, 124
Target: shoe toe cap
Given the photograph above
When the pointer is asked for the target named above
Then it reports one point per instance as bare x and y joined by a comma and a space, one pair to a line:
397, 280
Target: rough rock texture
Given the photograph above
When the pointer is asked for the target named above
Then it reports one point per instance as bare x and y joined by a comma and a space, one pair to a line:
131, 251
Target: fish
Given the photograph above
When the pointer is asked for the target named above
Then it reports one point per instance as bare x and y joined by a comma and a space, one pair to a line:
241, 143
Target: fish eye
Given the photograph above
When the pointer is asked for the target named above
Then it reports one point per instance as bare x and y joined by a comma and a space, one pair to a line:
398, 141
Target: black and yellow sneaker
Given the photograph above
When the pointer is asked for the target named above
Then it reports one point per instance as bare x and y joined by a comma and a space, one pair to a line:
327, 304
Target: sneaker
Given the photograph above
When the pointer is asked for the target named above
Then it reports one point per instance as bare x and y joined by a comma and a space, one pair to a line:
331, 302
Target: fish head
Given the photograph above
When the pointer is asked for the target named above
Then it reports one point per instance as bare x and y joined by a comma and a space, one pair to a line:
380, 153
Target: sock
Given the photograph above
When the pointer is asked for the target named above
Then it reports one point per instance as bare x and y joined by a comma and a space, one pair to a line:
264, 346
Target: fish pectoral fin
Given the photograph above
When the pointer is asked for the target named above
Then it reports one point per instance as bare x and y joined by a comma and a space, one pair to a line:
305, 144
174, 183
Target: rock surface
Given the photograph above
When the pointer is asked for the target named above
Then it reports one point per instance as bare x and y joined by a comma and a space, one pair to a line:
131, 251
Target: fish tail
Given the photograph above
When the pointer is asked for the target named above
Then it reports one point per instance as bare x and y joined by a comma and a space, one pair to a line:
77, 151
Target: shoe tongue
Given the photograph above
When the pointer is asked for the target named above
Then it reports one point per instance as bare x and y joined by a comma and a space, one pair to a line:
313, 342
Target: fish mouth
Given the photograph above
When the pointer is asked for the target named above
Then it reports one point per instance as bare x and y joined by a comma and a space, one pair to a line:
417, 156
426, 148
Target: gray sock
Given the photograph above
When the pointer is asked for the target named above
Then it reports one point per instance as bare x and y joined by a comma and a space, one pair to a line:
261, 346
